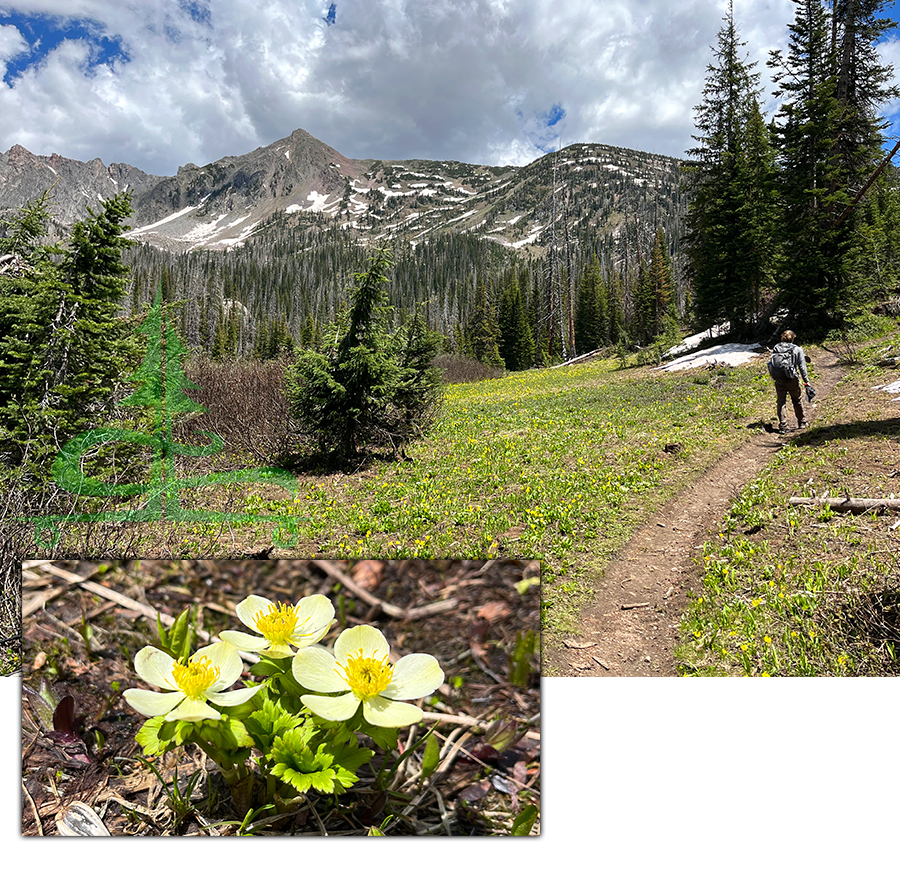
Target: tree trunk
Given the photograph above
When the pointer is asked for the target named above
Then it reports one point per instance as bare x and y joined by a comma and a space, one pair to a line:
855, 505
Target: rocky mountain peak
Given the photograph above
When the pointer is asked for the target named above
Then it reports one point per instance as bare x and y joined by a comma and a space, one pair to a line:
300, 180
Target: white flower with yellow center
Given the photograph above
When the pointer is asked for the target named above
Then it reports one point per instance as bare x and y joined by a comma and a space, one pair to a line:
281, 625
361, 665
209, 672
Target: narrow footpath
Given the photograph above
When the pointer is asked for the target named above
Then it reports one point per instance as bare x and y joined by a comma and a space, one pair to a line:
631, 626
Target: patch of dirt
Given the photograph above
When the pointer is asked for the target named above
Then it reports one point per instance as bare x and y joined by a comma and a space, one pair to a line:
631, 627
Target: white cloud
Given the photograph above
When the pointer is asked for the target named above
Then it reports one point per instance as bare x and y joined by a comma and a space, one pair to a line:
473, 80
12, 43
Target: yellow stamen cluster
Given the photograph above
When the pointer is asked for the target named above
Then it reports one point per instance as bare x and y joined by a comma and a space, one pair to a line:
367, 676
278, 624
196, 677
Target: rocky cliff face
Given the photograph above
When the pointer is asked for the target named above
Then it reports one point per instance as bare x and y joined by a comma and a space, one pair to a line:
76, 186
300, 180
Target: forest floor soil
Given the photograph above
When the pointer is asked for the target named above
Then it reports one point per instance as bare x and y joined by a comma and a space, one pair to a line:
631, 625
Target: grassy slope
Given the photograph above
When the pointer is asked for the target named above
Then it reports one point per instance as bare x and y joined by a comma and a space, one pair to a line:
559, 464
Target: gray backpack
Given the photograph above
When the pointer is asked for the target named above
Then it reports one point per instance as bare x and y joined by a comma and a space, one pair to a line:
781, 365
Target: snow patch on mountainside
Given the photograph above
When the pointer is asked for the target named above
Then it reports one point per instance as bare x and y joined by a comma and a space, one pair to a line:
166, 220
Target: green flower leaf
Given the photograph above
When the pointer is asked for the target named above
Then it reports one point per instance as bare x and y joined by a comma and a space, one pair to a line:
267, 722
524, 821
431, 757
323, 766
148, 737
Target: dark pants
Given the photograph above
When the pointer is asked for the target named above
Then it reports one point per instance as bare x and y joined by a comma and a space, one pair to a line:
784, 388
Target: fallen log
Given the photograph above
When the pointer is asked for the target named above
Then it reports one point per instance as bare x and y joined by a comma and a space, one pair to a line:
854, 505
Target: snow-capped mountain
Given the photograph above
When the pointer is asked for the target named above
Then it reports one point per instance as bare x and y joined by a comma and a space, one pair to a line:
299, 180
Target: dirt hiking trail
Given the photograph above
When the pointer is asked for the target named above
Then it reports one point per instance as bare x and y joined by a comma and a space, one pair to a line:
631, 626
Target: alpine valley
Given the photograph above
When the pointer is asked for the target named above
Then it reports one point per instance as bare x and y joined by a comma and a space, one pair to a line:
276, 235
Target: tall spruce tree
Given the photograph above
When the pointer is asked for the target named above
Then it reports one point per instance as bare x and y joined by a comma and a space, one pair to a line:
813, 186
63, 350
828, 137
721, 198
369, 388
482, 332
759, 211
516, 345
662, 286
592, 312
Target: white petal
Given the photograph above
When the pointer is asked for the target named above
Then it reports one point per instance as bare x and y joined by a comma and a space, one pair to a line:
193, 710
155, 667
316, 669
333, 708
224, 657
151, 704
278, 651
232, 697
415, 676
362, 637
384, 713
315, 615
245, 642
248, 609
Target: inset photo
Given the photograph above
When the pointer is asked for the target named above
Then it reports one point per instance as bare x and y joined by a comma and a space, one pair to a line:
259, 697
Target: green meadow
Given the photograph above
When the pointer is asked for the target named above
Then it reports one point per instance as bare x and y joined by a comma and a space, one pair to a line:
558, 464
564, 464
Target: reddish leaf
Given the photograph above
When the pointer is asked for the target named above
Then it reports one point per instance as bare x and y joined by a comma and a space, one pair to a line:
476, 791
494, 610
367, 574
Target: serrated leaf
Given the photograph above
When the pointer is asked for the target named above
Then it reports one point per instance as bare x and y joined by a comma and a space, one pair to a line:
151, 739
236, 733
321, 780
267, 722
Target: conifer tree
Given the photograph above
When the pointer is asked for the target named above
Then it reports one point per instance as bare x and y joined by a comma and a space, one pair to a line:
370, 387
828, 140
720, 200
759, 210
63, 351
517, 341
482, 331
591, 314
661, 285
813, 186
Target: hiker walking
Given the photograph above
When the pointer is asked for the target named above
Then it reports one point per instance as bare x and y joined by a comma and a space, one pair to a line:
786, 367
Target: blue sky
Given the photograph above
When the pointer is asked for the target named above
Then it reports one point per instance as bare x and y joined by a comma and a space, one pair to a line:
165, 82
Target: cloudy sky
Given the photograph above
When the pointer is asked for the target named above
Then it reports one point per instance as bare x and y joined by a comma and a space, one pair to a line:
158, 83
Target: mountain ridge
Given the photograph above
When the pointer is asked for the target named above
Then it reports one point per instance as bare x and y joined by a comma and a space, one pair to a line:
303, 181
